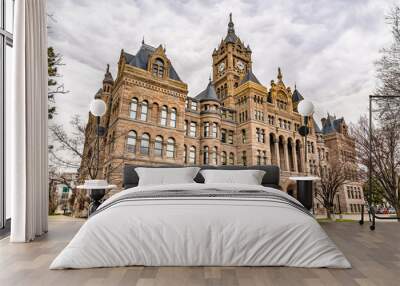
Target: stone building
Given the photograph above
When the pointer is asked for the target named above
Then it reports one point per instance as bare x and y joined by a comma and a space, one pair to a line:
235, 120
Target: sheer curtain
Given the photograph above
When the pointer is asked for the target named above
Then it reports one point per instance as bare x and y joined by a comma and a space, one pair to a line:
26, 123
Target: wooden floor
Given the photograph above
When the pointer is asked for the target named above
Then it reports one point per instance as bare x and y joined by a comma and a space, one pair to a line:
375, 257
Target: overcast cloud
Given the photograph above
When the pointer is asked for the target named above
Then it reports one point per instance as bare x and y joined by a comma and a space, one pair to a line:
327, 47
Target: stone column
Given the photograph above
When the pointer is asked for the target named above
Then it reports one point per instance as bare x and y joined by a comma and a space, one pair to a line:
278, 160
286, 154
294, 156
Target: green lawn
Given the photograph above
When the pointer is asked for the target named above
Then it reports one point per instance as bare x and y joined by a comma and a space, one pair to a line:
337, 220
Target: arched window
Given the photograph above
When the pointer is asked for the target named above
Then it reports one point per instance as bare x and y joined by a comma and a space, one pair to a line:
131, 142
171, 148
192, 155
163, 117
231, 158
158, 146
144, 111
172, 121
205, 155
224, 159
158, 68
185, 154
214, 156
133, 108
144, 144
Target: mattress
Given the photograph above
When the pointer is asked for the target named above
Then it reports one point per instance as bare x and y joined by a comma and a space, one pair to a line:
201, 225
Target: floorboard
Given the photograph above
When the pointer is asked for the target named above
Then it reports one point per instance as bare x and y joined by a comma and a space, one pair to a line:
375, 257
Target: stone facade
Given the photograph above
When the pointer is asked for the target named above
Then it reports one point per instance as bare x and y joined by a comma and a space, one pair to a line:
151, 119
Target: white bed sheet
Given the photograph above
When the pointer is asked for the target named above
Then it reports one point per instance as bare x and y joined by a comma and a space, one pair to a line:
200, 232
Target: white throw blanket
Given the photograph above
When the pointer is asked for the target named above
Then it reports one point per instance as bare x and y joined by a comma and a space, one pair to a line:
138, 227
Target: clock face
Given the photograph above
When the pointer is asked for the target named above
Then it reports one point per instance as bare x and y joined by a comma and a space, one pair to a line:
240, 65
221, 67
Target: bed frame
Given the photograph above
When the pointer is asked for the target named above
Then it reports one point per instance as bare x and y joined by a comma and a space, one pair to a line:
270, 179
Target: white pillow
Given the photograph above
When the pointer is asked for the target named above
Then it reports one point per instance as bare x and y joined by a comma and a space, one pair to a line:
166, 176
248, 177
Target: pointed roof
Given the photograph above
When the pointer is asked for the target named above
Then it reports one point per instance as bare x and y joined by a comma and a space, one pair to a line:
141, 59
98, 93
208, 94
331, 124
296, 96
231, 36
249, 77
316, 127
108, 76
280, 76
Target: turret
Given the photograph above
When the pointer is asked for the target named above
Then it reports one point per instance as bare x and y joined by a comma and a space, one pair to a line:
108, 81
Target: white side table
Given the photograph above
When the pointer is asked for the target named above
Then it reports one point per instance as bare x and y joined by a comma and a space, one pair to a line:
305, 189
96, 194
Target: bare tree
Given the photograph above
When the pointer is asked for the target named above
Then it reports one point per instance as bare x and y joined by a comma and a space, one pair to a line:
67, 152
332, 179
385, 156
388, 73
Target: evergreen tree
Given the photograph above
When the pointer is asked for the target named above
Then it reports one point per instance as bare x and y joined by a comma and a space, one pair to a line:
54, 87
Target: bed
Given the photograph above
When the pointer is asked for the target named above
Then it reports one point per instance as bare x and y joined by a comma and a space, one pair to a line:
201, 224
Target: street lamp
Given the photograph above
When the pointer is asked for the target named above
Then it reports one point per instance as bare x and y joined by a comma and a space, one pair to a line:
306, 109
98, 108
304, 183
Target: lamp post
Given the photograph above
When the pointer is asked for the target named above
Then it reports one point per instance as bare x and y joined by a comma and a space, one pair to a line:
97, 188
304, 183
98, 108
306, 109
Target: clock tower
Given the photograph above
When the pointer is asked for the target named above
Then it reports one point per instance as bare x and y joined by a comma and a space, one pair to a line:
231, 62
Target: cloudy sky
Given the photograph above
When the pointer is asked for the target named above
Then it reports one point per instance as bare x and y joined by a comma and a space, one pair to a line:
327, 47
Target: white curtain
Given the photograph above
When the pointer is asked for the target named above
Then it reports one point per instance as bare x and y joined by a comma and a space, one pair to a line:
26, 123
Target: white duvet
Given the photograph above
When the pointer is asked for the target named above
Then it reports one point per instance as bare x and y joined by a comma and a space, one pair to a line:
200, 231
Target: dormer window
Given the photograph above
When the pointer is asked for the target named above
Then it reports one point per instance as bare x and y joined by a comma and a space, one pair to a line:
158, 68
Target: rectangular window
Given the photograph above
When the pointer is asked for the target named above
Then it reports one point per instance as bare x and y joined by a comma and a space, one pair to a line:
192, 155
244, 136
193, 127
6, 64
265, 157
223, 135
230, 137
214, 130
206, 129
194, 105
186, 127
244, 158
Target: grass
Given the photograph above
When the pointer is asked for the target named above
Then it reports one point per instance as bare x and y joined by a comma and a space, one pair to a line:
337, 220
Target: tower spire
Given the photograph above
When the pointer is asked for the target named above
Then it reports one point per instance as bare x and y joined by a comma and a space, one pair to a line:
279, 74
231, 28
143, 40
